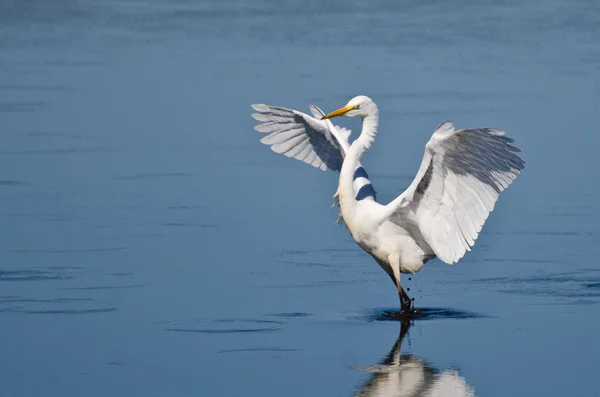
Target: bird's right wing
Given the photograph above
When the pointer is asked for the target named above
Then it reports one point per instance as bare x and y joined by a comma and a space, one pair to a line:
317, 142
302, 137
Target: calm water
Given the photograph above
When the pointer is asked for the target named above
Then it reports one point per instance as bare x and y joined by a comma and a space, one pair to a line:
150, 245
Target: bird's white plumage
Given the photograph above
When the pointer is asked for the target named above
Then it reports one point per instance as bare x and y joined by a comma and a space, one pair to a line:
457, 186
440, 214
299, 136
317, 142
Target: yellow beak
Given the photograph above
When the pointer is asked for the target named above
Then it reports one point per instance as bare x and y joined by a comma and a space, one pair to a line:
339, 112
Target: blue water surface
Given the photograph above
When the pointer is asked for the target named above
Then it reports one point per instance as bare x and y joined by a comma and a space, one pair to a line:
151, 246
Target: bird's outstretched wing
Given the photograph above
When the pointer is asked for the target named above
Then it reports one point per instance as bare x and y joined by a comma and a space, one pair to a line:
298, 135
317, 142
457, 186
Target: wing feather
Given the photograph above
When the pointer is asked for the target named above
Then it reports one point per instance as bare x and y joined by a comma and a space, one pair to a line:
317, 142
282, 136
289, 144
306, 149
300, 151
459, 181
289, 128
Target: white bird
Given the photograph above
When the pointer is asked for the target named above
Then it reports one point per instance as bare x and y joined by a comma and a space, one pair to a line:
442, 211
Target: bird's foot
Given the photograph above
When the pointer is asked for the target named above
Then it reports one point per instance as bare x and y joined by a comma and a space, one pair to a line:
407, 307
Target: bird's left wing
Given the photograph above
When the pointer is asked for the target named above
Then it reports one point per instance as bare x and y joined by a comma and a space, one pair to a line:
456, 187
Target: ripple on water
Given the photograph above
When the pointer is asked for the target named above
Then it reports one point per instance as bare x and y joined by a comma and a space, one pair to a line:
32, 275
291, 315
329, 252
67, 251
104, 287
259, 350
16, 304
13, 183
226, 326
311, 264
15, 107
325, 283
151, 175
68, 150
418, 314
573, 286
84, 301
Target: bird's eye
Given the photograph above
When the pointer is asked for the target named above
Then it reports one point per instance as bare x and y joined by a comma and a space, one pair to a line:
357, 107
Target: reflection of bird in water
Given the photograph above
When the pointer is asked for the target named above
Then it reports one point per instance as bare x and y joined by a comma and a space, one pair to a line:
405, 375
442, 211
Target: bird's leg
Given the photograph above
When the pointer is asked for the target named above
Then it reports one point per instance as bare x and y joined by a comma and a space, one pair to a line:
401, 298
404, 304
407, 304
405, 301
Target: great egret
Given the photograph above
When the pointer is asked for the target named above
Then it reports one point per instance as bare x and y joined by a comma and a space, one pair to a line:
442, 211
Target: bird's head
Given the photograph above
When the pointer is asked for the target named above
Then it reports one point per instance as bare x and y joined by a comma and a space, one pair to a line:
359, 106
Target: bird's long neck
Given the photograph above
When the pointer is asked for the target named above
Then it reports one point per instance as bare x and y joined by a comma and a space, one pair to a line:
357, 149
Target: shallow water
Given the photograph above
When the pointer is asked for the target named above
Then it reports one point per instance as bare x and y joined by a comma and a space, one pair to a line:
152, 246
